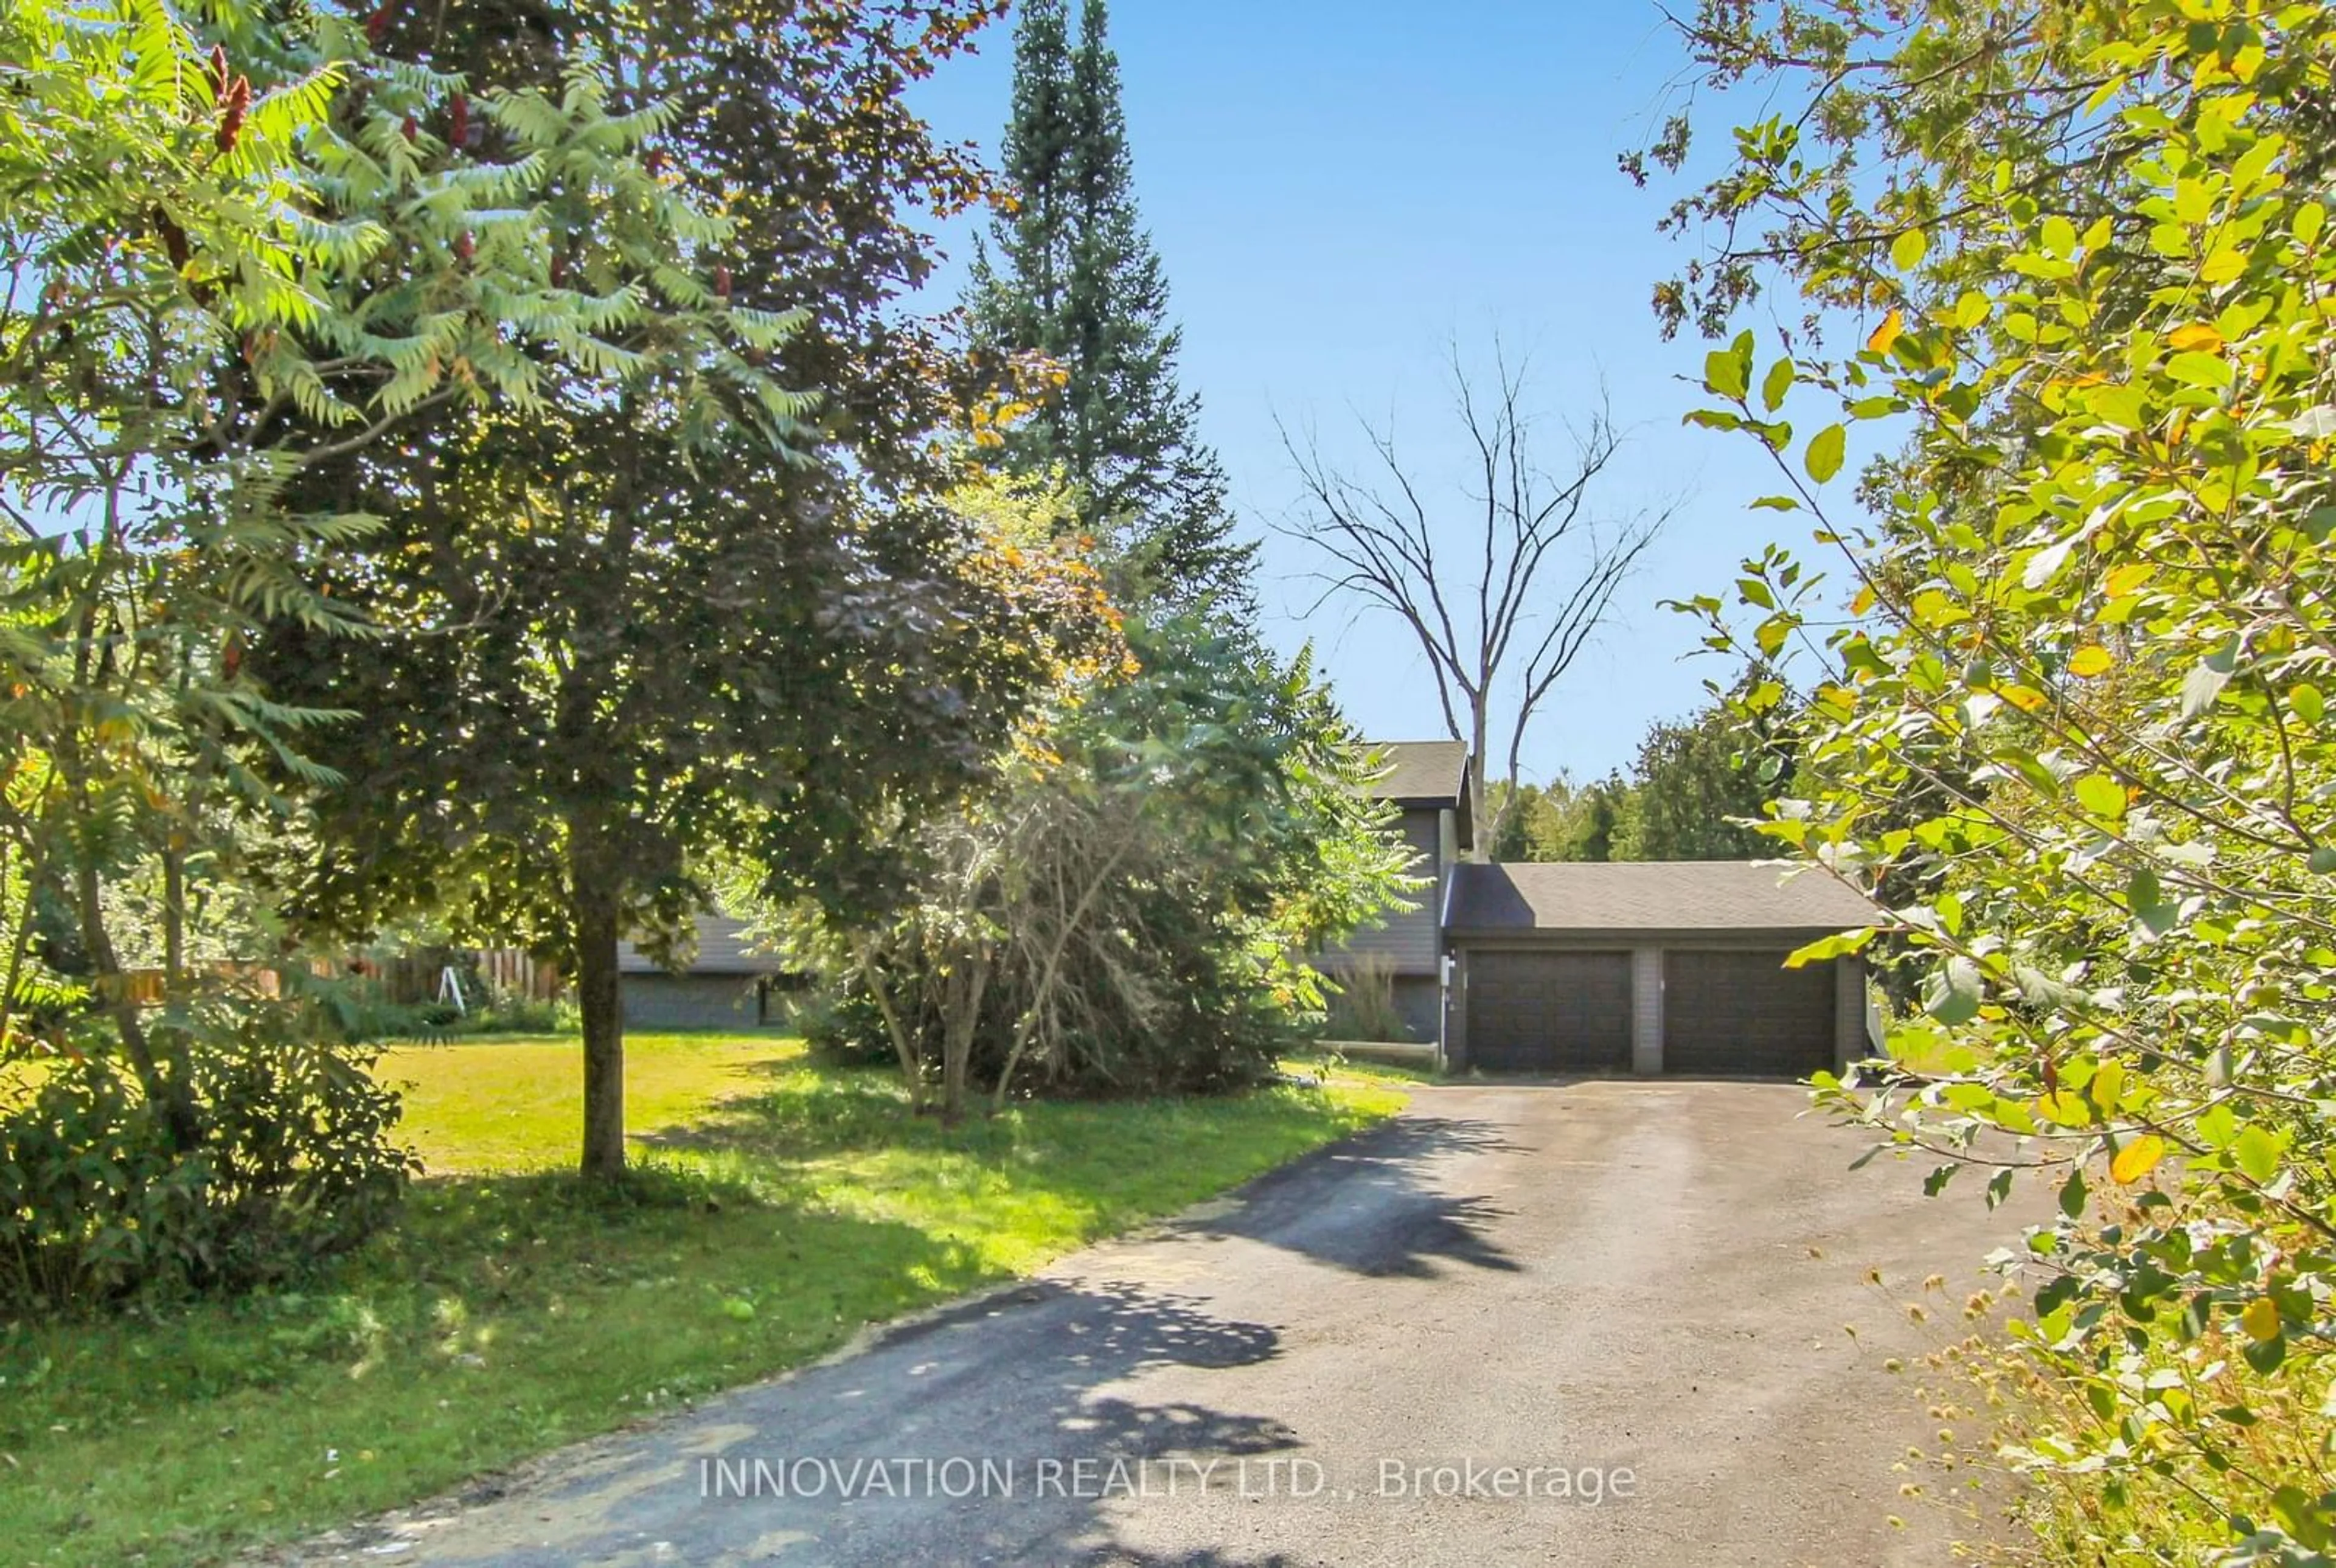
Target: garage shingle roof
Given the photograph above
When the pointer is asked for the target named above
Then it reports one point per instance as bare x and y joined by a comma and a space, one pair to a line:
1627, 896
1426, 771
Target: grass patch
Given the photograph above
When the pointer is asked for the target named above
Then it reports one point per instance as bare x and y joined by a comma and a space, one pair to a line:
1339, 1068
495, 1105
781, 1206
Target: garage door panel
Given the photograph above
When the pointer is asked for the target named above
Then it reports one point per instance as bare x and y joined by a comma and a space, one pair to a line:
1745, 1013
1549, 1012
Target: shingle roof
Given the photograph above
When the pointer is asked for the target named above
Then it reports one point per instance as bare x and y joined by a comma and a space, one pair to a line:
1651, 896
722, 948
1426, 772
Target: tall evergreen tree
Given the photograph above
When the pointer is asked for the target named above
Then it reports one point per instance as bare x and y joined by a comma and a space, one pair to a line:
1077, 279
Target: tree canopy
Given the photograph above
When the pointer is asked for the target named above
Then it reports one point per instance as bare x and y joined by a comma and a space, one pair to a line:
620, 636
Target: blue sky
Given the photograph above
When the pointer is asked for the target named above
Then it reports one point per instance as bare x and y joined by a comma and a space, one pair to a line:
1338, 191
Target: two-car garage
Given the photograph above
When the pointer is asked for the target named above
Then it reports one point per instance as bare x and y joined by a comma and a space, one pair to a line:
1650, 967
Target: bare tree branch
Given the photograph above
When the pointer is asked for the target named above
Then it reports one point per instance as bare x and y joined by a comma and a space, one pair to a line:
1529, 567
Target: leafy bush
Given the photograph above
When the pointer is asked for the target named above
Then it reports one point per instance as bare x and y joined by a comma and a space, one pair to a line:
515, 1015
1126, 911
843, 1026
296, 1163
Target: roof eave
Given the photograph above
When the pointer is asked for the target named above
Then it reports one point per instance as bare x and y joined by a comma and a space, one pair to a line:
1645, 935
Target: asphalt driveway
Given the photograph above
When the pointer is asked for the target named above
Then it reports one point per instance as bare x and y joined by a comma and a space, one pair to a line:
1592, 1323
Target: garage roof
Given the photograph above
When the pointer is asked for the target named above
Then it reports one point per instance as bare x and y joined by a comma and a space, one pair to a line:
1427, 773
1640, 896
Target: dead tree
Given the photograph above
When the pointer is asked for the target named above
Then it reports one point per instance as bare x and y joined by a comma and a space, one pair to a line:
1504, 582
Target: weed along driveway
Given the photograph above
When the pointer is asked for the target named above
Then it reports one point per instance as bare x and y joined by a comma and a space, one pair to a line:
1599, 1322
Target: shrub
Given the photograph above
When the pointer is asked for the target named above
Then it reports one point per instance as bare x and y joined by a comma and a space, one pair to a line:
296, 1163
841, 1025
1363, 1006
515, 1015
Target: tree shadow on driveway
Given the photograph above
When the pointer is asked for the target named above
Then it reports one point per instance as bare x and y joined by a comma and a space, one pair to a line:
1369, 1204
998, 1424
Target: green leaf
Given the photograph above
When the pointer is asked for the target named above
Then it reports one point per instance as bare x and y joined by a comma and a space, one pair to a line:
2197, 369
1776, 503
2072, 1194
1906, 251
2256, 1153
1826, 449
2101, 795
1832, 947
2146, 898
1777, 384
1724, 374
2301, 1514
1999, 1188
1951, 995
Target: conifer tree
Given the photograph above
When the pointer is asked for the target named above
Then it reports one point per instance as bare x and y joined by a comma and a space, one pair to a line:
1076, 279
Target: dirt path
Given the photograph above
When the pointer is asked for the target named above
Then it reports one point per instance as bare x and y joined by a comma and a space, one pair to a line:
1635, 1289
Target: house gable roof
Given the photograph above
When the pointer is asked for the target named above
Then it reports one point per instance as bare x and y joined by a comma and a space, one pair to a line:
1637, 897
1426, 773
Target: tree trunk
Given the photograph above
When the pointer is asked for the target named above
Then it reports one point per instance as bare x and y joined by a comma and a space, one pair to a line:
167, 1088
598, 996
1482, 829
174, 921
912, 1073
961, 1020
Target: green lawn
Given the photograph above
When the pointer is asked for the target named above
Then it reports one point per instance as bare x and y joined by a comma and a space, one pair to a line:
784, 1206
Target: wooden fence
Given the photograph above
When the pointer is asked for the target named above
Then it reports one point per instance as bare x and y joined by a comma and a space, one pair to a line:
485, 975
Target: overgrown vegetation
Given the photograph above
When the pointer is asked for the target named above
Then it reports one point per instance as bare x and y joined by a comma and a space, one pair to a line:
233, 258
1129, 912
297, 1162
627, 634
1362, 1006
467, 474
2076, 722
1180, 814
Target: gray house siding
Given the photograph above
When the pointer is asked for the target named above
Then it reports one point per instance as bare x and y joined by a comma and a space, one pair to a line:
722, 948
1408, 940
1420, 999
721, 989
662, 1001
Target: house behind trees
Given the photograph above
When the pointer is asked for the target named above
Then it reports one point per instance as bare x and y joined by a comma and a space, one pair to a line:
1428, 782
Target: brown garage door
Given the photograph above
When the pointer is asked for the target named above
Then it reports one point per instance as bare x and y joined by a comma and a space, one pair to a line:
1547, 1012
1745, 1013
